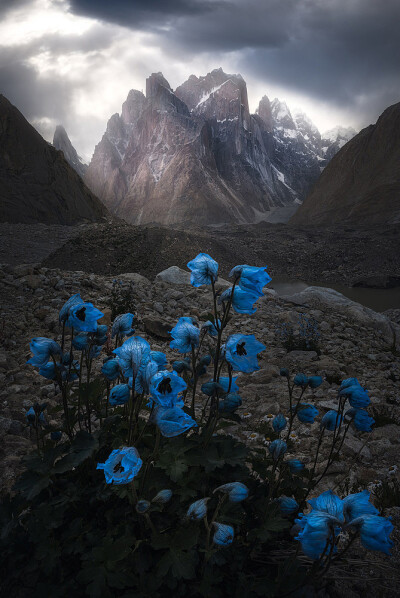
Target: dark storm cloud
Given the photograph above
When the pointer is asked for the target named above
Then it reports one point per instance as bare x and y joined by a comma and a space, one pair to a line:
346, 52
147, 14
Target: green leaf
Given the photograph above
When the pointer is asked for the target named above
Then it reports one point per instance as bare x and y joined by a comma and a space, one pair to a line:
82, 447
182, 564
30, 484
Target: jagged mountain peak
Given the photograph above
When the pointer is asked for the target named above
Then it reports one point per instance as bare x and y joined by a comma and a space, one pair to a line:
62, 142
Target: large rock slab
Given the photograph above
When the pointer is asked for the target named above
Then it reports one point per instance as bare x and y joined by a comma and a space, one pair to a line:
327, 299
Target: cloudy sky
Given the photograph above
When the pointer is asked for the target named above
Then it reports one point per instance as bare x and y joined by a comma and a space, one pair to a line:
74, 61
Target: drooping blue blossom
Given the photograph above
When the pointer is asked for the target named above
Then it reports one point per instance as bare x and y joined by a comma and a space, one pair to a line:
224, 382
277, 449
83, 317
211, 388
182, 366
49, 371
122, 326
295, 465
236, 491
142, 506
52, 371
316, 528
119, 395
163, 496
145, 376
361, 420
185, 334
300, 380
30, 416
357, 505
287, 505
242, 351
331, 420
198, 509
242, 301
111, 369
133, 355
100, 336
224, 534
355, 393
43, 350
375, 533
173, 422
279, 423
95, 351
81, 341
328, 502
251, 278
204, 270
230, 402
314, 381
209, 328
121, 466
159, 358
165, 387
306, 413
72, 302
284, 372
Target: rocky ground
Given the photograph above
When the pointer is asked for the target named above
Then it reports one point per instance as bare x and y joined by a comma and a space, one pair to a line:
354, 341
347, 256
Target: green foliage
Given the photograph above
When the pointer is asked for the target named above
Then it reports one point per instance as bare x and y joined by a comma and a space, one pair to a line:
122, 298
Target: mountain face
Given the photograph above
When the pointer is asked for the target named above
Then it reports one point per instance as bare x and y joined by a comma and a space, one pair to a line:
36, 182
361, 184
62, 143
334, 139
196, 155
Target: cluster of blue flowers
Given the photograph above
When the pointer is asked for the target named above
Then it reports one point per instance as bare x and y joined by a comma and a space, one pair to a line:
318, 531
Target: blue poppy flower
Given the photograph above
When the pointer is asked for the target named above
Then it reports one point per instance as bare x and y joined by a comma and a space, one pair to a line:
173, 422
242, 301
83, 317
142, 506
121, 466
295, 465
306, 413
357, 396
209, 328
230, 402
242, 351
284, 372
49, 371
165, 387
361, 420
163, 496
159, 358
211, 388
133, 355
224, 382
100, 336
349, 382
236, 491
43, 350
328, 502
122, 325
56, 435
316, 528
95, 351
279, 423
277, 449
198, 509
111, 369
314, 381
72, 302
287, 505
182, 366
357, 505
300, 380
81, 341
185, 334
331, 420
204, 270
145, 376
251, 278
375, 533
119, 395
30, 416
224, 534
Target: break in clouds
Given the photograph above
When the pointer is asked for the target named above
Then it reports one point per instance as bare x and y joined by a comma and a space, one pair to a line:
74, 62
